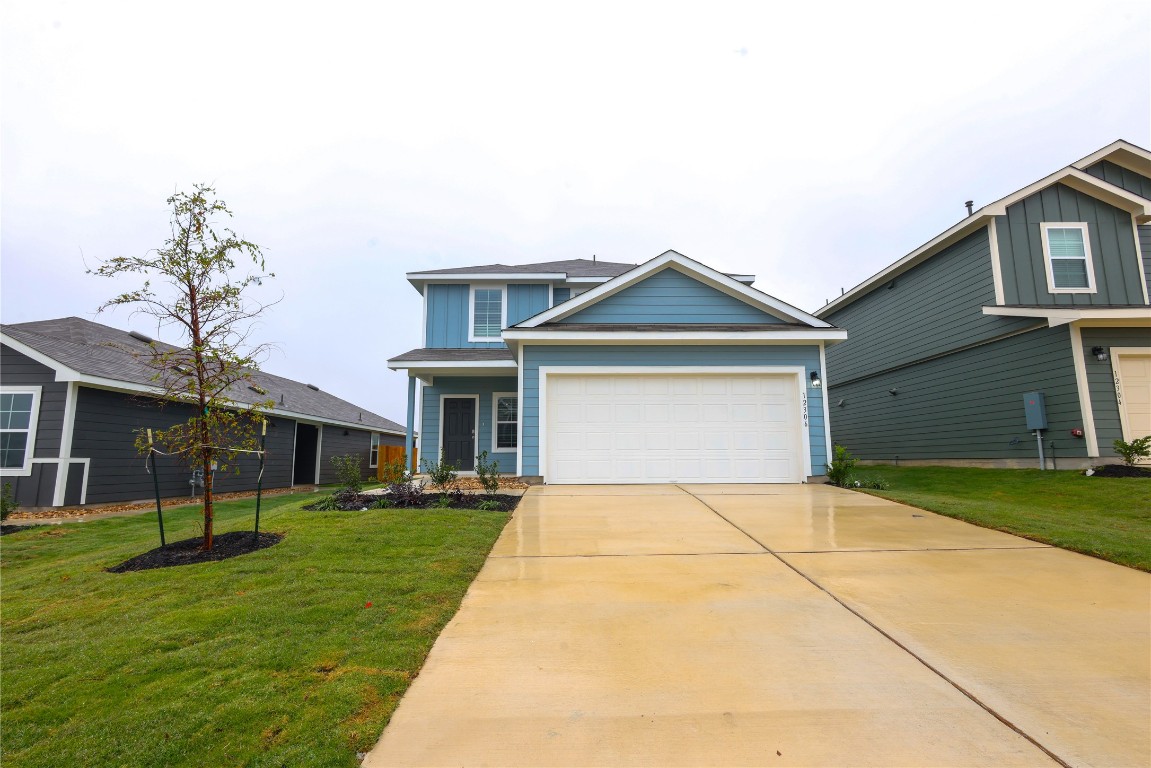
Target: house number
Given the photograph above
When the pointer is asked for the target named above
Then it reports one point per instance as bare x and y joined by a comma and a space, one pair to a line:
1118, 391
803, 405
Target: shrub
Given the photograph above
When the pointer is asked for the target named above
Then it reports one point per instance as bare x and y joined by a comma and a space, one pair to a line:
488, 473
405, 493
383, 503
489, 505
1132, 452
396, 471
839, 469
442, 474
8, 504
349, 472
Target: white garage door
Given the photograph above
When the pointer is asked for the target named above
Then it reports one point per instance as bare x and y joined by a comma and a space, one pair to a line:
709, 428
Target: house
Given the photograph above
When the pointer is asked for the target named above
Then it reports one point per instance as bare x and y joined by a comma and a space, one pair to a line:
1045, 290
73, 394
595, 372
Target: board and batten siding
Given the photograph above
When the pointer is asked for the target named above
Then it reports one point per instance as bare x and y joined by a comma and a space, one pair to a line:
607, 357
669, 296
1112, 242
1145, 247
560, 295
1101, 380
1121, 177
448, 307
19, 370
105, 433
483, 386
932, 308
968, 405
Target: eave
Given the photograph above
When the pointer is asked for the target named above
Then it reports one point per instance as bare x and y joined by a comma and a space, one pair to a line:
1056, 316
514, 337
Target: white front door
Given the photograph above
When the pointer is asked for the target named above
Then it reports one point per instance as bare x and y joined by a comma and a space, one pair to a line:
1133, 388
683, 428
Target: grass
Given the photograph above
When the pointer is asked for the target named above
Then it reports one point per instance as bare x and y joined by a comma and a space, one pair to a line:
271, 658
1108, 518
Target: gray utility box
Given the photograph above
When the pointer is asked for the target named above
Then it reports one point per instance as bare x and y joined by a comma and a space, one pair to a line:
1036, 409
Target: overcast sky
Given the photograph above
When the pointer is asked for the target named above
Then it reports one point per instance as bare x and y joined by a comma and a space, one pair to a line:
810, 144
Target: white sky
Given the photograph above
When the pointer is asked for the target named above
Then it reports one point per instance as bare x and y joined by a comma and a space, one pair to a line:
808, 145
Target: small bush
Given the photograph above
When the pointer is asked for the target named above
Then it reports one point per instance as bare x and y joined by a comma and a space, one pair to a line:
385, 503
8, 504
839, 469
1132, 452
326, 504
442, 474
488, 473
396, 471
489, 505
349, 472
406, 493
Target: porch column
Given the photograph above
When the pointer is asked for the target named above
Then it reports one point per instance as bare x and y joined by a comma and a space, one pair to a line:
409, 442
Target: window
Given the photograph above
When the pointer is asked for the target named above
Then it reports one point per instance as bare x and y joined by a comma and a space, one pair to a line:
507, 413
487, 313
374, 454
1067, 258
19, 408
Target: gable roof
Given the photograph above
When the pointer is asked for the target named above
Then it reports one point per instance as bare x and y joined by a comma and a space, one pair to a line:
1120, 152
85, 351
694, 269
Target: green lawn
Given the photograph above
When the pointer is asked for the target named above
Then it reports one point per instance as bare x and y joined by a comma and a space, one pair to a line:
266, 659
1109, 518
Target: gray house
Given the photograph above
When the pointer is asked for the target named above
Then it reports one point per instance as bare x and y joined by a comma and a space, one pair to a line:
1045, 290
73, 395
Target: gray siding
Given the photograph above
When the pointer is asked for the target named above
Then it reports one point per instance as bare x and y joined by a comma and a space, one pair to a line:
106, 423
670, 296
1117, 268
1121, 177
930, 309
1145, 247
36, 489
482, 386
17, 370
968, 405
1101, 380
333, 442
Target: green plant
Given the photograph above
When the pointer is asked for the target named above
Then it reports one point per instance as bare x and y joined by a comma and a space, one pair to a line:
443, 502
396, 471
349, 472
489, 505
8, 504
839, 469
442, 474
383, 503
1132, 452
872, 484
488, 472
326, 504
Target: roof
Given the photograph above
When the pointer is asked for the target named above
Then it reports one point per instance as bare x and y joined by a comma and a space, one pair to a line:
1121, 152
99, 352
672, 327
462, 355
570, 267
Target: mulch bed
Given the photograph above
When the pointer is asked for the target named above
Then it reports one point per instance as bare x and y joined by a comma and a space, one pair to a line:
187, 552
356, 502
1120, 470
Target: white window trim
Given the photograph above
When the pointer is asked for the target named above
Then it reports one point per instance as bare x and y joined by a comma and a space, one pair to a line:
1089, 263
503, 289
33, 422
374, 443
496, 422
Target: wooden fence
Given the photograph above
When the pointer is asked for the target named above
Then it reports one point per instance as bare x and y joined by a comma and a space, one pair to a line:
391, 458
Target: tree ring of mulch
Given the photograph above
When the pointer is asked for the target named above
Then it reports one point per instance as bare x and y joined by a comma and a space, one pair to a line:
1120, 470
188, 551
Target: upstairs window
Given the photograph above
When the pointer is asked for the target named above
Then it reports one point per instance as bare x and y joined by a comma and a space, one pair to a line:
19, 407
507, 422
487, 314
1067, 258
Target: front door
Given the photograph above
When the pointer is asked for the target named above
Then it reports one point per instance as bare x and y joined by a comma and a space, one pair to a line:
460, 432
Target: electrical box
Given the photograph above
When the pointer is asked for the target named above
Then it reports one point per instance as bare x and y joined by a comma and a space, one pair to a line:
1036, 409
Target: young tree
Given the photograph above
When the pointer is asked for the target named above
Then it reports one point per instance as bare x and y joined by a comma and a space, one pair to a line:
205, 302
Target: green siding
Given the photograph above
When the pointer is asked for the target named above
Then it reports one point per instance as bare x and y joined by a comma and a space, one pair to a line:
1121, 177
931, 309
1145, 247
968, 405
669, 296
1117, 268
1101, 380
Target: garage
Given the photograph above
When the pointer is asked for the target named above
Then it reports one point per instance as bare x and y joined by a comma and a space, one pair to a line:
717, 427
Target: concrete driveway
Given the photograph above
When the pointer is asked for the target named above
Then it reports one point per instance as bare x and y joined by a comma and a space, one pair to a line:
778, 626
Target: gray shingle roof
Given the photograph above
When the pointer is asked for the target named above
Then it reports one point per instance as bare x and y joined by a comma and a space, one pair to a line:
669, 327
97, 350
572, 267
454, 355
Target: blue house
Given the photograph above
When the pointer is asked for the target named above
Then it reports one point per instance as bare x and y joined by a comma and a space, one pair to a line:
595, 372
1044, 290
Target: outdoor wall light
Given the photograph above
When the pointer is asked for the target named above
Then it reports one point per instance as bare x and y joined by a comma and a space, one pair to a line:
893, 391
1100, 354
816, 382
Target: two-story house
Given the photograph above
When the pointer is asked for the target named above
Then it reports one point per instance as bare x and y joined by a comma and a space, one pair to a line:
594, 372
1045, 290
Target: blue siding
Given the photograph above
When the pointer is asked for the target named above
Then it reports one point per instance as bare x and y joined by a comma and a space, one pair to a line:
670, 296
526, 300
482, 386
448, 318
656, 356
561, 295
1117, 269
